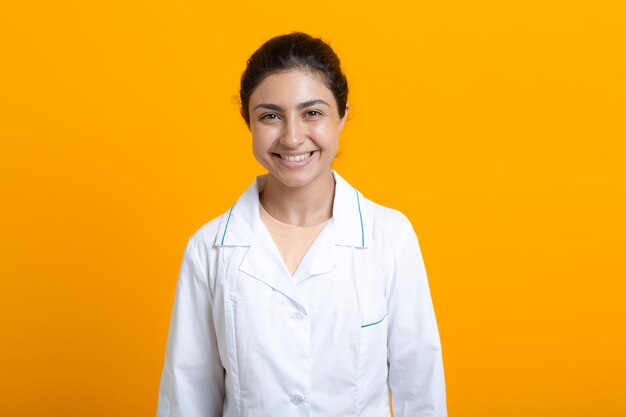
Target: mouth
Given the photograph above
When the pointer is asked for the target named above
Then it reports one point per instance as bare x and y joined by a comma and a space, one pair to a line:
296, 161
295, 158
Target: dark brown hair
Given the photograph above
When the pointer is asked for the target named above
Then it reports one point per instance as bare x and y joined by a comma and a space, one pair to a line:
296, 50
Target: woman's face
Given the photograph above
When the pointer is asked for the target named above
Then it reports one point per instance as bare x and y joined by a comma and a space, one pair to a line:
295, 127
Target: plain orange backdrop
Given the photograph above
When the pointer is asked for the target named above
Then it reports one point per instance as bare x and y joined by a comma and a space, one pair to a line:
497, 127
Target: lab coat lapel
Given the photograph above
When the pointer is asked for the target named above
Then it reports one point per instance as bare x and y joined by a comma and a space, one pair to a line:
242, 227
350, 225
264, 262
321, 256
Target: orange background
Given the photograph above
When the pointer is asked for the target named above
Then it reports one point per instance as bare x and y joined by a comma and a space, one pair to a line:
497, 127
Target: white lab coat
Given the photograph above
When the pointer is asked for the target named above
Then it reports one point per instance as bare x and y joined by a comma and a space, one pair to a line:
355, 321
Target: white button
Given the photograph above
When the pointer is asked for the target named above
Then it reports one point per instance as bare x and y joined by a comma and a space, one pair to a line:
297, 400
298, 316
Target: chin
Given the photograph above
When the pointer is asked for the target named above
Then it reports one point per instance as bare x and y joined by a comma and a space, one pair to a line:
297, 179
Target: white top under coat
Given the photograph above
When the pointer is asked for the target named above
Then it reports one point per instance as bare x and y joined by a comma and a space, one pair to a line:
355, 321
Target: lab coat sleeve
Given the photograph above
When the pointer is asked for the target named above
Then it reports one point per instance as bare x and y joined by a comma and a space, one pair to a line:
192, 381
416, 376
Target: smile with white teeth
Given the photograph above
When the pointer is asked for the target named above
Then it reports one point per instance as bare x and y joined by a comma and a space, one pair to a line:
296, 158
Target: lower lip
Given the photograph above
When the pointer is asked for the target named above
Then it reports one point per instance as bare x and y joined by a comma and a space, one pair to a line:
296, 164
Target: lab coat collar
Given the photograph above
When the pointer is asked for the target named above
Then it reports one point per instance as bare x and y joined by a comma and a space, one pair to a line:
264, 262
352, 217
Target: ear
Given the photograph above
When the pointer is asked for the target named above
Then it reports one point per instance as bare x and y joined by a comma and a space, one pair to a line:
344, 118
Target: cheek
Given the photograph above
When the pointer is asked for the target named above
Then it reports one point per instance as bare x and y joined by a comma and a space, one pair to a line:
326, 136
261, 139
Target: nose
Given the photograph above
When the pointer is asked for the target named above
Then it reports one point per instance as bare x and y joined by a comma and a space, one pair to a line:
293, 134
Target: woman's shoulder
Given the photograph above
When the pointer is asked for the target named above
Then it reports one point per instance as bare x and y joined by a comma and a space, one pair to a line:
201, 248
206, 235
389, 216
376, 217
387, 220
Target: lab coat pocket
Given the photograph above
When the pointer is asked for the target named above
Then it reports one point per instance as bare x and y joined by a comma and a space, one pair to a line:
375, 316
373, 353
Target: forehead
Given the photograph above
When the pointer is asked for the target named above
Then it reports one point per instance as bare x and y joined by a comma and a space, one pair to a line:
290, 88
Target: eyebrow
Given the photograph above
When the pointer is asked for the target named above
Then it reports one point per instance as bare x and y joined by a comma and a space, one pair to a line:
300, 106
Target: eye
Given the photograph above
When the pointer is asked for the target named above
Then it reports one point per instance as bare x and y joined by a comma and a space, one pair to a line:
313, 113
269, 117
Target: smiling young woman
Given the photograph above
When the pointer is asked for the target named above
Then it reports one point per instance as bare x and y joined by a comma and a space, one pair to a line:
305, 298
295, 127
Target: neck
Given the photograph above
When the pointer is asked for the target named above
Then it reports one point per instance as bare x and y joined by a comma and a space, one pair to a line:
302, 206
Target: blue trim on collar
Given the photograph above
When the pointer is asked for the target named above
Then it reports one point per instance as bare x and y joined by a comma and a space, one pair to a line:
227, 220
358, 201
